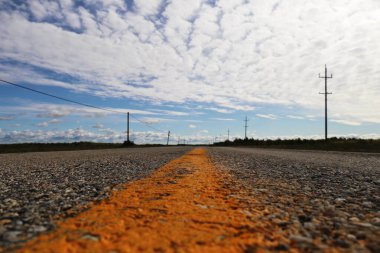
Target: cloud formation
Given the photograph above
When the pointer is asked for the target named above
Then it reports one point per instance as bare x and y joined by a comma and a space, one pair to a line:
233, 54
102, 135
51, 110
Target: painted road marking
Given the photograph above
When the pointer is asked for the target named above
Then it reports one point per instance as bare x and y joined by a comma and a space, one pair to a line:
185, 206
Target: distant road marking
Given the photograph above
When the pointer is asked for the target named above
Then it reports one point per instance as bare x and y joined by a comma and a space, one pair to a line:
185, 206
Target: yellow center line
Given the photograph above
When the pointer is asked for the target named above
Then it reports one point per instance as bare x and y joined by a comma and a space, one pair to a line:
185, 206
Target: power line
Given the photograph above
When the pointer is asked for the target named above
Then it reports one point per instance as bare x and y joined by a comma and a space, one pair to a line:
146, 124
79, 103
61, 98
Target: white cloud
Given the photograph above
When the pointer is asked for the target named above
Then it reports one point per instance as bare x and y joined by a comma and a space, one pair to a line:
54, 121
7, 117
172, 113
49, 110
105, 135
151, 120
294, 117
317, 137
110, 135
346, 122
267, 116
223, 119
235, 55
42, 124
221, 110
47, 123
192, 126
311, 117
148, 7
192, 120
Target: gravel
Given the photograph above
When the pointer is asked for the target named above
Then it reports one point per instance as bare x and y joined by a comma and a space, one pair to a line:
38, 189
323, 199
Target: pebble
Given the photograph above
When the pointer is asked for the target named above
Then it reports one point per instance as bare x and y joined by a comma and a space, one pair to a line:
91, 237
341, 243
351, 237
367, 204
301, 239
39, 229
354, 219
202, 206
11, 203
339, 201
309, 225
12, 236
364, 224
376, 221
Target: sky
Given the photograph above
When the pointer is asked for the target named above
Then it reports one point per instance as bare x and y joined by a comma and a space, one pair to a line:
196, 68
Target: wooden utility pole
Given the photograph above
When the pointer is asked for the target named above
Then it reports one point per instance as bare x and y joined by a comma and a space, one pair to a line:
326, 94
167, 143
127, 127
245, 127
228, 134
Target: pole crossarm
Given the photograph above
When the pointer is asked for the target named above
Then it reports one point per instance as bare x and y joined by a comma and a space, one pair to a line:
328, 77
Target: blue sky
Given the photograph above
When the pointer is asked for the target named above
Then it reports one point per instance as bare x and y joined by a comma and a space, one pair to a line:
196, 68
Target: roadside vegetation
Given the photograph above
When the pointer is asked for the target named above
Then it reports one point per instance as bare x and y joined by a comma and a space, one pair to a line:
42, 147
333, 144
45, 147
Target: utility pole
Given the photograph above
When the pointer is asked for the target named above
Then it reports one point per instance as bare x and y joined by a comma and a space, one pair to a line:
167, 143
127, 127
245, 127
228, 134
326, 94
178, 140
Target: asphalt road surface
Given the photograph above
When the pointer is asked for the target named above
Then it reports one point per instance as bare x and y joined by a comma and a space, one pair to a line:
39, 188
332, 198
237, 199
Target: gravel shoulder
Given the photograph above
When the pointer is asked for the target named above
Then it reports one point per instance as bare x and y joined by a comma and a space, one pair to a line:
40, 188
331, 198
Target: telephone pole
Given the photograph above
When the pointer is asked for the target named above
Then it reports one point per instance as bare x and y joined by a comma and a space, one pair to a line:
326, 94
245, 127
127, 127
167, 143
228, 134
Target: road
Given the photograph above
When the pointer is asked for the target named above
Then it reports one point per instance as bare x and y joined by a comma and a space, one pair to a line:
209, 200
